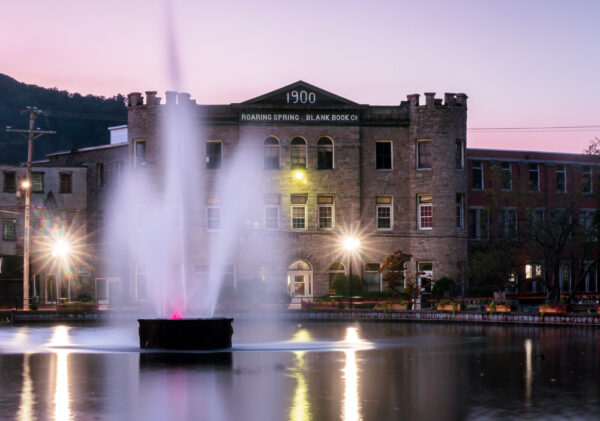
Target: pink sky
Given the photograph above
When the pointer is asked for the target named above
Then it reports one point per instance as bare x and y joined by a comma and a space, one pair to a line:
523, 63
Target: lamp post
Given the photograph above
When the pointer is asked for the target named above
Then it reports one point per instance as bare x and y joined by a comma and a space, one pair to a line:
351, 244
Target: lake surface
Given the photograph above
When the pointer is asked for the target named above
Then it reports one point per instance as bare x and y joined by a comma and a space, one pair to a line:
308, 371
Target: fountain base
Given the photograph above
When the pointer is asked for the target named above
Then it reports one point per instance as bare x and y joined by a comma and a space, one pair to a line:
185, 334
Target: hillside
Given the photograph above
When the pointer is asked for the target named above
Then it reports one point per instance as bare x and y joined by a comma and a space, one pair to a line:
78, 120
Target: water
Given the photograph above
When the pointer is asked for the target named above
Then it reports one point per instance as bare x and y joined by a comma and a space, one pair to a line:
285, 371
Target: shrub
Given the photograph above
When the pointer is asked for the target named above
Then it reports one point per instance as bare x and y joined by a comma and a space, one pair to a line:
340, 285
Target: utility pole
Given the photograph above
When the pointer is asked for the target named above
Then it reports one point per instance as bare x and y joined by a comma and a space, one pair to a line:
31, 134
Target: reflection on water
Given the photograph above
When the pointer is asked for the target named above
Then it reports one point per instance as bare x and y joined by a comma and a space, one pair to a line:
351, 411
327, 371
27, 399
300, 410
528, 370
62, 399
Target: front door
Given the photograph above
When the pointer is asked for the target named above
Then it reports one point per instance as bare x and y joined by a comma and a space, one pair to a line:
300, 284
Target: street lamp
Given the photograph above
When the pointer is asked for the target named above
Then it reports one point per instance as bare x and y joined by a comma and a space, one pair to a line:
61, 250
351, 244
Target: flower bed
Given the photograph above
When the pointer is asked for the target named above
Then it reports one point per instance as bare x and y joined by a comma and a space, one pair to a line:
452, 307
553, 309
498, 308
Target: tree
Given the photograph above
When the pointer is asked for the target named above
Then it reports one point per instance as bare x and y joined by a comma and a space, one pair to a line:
492, 266
393, 271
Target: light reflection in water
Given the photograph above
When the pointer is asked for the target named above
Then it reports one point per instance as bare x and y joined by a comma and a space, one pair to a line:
300, 410
27, 399
62, 399
528, 370
351, 410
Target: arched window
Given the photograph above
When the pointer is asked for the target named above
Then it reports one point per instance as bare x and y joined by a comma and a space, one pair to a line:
300, 279
298, 151
271, 153
325, 154
336, 270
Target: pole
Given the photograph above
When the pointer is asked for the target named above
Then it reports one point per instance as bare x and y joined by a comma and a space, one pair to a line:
350, 282
31, 135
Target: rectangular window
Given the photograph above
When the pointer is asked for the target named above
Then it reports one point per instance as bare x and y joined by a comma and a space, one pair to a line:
100, 175
536, 220
460, 154
9, 230
213, 155
140, 153
325, 216
565, 277
372, 277
424, 276
65, 183
298, 153
425, 211
100, 219
591, 279
477, 175
460, 210
10, 182
586, 223
534, 276
507, 223
506, 176
383, 211
325, 154
534, 177
272, 217
213, 218
478, 223
118, 169
586, 180
561, 179
37, 182
383, 155
298, 217
424, 154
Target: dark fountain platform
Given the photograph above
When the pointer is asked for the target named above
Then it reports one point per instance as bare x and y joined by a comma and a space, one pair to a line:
186, 334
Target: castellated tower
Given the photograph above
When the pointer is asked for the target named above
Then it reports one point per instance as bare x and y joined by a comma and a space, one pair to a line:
394, 174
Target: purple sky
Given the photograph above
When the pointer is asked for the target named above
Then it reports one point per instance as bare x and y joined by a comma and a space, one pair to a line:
524, 63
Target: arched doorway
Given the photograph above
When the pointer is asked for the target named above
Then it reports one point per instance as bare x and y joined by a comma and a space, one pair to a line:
300, 280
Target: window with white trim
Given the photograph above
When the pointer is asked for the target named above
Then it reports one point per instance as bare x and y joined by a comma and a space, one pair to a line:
477, 173
298, 211
586, 223
460, 210
565, 277
384, 213
534, 177
507, 223
9, 230
424, 276
591, 277
424, 158
10, 182
425, 211
326, 212
506, 176
37, 182
336, 270
372, 276
139, 157
561, 179
298, 153
272, 211
478, 223
272, 153
534, 275
213, 214
459, 154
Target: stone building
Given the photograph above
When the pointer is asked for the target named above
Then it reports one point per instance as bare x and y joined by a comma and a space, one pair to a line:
58, 212
395, 175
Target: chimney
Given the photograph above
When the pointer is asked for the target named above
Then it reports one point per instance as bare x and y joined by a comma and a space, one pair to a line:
429, 99
171, 97
183, 98
413, 100
133, 99
461, 99
150, 98
449, 99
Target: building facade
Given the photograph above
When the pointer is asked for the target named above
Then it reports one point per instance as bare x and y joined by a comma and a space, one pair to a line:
395, 175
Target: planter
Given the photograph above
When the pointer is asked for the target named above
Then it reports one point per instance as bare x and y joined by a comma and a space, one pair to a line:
448, 307
498, 309
76, 307
560, 309
387, 306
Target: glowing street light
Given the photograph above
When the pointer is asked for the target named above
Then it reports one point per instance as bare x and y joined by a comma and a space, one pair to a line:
25, 184
298, 175
351, 244
61, 249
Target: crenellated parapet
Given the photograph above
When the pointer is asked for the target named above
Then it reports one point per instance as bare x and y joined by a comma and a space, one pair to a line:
450, 100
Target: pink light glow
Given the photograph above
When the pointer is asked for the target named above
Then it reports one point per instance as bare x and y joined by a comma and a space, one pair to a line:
175, 316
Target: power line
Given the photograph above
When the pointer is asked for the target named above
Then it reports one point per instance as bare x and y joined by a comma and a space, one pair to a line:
536, 129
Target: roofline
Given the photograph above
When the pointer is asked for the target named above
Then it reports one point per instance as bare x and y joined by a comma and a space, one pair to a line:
90, 148
525, 151
122, 126
311, 86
